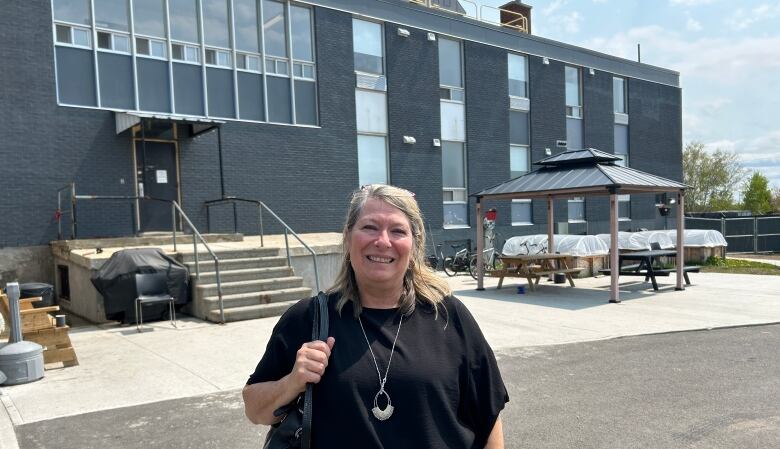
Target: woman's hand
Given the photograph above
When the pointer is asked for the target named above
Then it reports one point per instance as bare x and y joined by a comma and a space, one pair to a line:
310, 363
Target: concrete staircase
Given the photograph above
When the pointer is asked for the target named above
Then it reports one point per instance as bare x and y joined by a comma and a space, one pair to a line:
256, 283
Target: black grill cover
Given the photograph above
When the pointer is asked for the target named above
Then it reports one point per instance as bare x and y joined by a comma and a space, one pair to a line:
115, 280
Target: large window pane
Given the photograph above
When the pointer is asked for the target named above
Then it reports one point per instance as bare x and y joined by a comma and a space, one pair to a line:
184, 20
572, 86
274, 27
453, 165
450, 63
116, 81
215, 23
301, 33
153, 90
456, 215
279, 108
305, 103
621, 139
75, 76
112, 14
371, 109
76, 11
624, 207
219, 86
619, 94
518, 76
188, 89
518, 161
372, 160
367, 44
573, 133
149, 17
245, 15
576, 209
250, 94
453, 121
518, 128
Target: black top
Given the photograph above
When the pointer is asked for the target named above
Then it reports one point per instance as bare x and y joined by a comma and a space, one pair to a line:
444, 382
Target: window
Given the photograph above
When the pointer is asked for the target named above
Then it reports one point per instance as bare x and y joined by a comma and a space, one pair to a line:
184, 20
74, 11
518, 160
245, 15
277, 66
248, 62
573, 93
218, 58
451, 94
372, 160
619, 95
624, 207
300, 22
518, 76
450, 66
454, 183
519, 154
305, 71
79, 37
215, 23
149, 17
621, 144
112, 41
113, 14
188, 53
274, 28
521, 213
150, 47
576, 208
367, 45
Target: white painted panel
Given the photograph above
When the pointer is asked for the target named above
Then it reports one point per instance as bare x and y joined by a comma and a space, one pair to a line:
453, 121
371, 109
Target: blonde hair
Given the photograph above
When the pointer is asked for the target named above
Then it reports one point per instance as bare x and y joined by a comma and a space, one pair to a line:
420, 283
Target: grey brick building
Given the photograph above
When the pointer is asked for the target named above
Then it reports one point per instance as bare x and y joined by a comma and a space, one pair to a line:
313, 99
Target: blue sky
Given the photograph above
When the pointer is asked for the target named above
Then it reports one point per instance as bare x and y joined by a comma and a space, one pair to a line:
727, 53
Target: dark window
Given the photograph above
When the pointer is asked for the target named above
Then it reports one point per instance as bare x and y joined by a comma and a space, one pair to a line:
518, 128
116, 81
220, 90
250, 96
153, 90
279, 109
188, 89
76, 76
305, 103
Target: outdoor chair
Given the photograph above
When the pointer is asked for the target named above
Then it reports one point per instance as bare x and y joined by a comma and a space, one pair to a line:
655, 246
152, 288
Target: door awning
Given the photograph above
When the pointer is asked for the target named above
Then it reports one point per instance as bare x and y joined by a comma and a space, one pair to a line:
126, 120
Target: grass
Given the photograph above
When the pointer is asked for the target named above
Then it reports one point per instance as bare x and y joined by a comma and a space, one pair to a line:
716, 264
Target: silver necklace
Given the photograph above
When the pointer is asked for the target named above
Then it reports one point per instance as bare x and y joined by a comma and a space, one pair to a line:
387, 412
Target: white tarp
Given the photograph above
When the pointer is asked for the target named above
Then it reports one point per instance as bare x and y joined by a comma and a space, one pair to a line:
699, 237
576, 245
638, 241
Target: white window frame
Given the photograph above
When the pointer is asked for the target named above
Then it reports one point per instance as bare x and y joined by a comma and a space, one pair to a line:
303, 65
527, 82
531, 208
575, 111
186, 49
581, 200
113, 37
528, 153
219, 53
624, 199
382, 43
246, 56
450, 91
71, 28
387, 153
460, 191
273, 65
625, 95
150, 42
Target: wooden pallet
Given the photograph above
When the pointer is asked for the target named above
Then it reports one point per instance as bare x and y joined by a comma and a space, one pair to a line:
40, 327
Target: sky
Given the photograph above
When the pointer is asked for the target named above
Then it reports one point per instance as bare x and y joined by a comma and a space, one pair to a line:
727, 53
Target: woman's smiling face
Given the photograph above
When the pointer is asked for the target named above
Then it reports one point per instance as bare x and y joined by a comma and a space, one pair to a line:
380, 245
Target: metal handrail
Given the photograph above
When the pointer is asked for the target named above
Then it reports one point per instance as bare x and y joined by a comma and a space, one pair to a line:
174, 209
519, 23
260, 206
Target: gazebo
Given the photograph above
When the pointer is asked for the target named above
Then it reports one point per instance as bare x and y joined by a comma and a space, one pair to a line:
583, 173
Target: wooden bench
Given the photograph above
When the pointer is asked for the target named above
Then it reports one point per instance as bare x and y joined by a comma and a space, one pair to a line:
566, 271
40, 327
656, 272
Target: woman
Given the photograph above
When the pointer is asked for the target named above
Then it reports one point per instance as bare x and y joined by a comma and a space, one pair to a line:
406, 365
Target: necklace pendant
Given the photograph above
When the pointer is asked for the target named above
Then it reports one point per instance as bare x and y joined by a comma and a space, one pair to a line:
387, 412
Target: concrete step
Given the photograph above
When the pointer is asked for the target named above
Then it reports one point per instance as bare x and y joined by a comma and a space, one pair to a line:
252, 312
231, 288
187, 255
255, 298
247, 274
238, 264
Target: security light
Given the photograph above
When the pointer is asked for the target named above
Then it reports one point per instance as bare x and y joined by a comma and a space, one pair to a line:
403, 32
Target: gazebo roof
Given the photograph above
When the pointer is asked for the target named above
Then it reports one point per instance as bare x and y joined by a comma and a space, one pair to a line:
580, 172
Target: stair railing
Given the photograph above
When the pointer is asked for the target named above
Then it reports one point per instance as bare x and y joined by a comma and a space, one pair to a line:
175, 208
260, 206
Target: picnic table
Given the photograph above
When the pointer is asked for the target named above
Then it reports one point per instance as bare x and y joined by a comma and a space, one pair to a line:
647, 266
533, 267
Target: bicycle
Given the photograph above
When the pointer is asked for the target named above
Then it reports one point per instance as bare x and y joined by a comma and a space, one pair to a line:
459, 262
528, 251
490, 257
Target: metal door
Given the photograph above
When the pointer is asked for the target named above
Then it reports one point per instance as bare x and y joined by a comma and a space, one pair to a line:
158, 179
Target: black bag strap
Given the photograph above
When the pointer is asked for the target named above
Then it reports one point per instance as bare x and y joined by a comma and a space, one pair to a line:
319, 332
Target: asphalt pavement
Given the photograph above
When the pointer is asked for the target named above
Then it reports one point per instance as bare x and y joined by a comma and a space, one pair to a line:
699, 389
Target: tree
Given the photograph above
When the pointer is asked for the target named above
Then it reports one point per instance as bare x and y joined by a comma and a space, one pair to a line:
712, 178
776, 199
756, 197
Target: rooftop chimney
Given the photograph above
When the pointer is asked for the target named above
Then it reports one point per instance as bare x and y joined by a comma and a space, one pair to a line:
517, 15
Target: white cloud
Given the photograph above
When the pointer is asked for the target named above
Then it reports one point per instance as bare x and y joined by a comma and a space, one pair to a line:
742, 19
760, 149
553, 7
571, 22
690, 2
692, 24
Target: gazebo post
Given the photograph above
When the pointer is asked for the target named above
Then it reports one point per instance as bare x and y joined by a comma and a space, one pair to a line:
550, 224
614, 263
680, 239
480, 247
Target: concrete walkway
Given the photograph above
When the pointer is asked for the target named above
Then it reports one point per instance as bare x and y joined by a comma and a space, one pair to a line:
120, 367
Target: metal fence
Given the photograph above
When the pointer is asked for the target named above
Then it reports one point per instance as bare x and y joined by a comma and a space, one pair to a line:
743, 234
